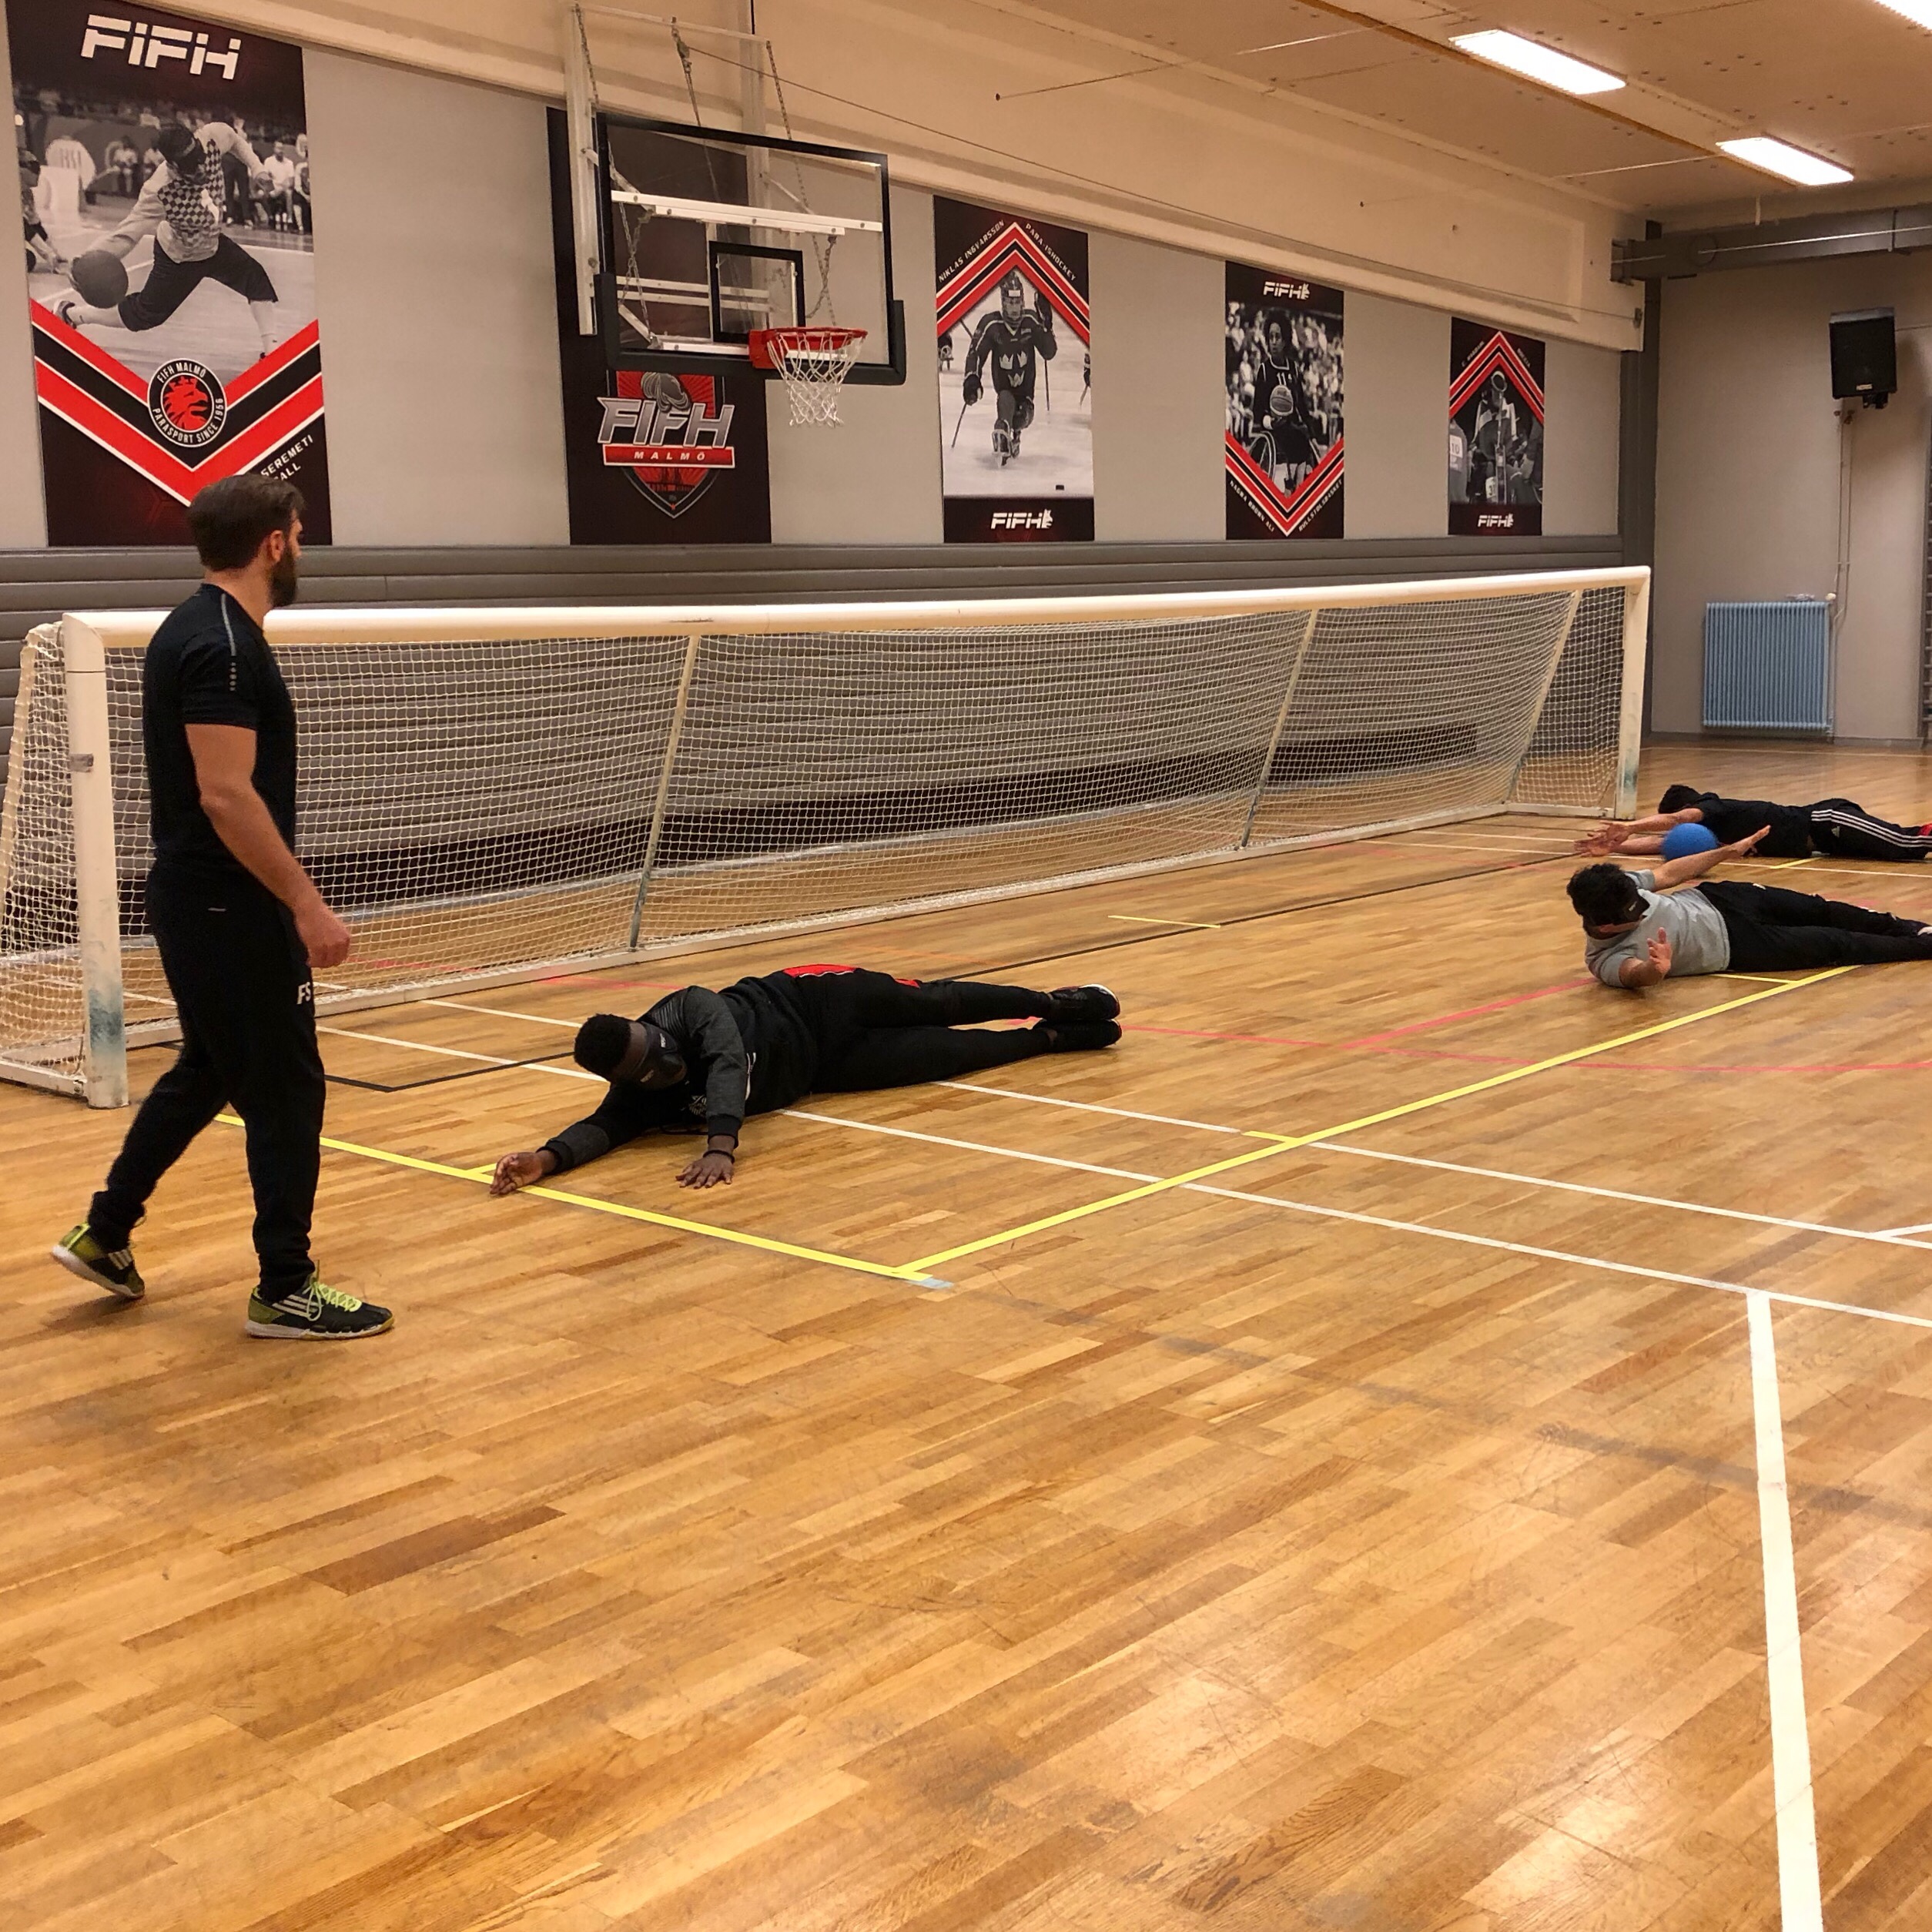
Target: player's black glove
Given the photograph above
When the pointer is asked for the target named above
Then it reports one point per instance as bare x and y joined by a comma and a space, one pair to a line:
970, 388
1043, 312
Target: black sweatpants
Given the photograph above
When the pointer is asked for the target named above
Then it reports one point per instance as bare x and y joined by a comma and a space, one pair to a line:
1773, 930
240, 980
875, 1031
170, 282
1843, 829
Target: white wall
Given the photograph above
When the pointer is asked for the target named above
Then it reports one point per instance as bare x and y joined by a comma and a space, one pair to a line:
439, 311
1748, 470
23, 514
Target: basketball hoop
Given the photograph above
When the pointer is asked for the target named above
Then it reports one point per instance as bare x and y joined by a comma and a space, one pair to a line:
813, 364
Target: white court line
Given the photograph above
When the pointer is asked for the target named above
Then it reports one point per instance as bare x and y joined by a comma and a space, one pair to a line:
1893, 1238
498, 1013
459, 1052
1801, 1905
1920, 1228
1120, 1112
1400, 1226
1195, 926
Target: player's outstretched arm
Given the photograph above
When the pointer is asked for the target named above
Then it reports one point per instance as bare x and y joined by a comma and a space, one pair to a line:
1681, 871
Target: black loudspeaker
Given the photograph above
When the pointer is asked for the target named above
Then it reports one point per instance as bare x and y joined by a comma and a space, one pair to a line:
1864, 357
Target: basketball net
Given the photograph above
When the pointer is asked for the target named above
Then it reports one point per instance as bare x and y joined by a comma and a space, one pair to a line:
812, 362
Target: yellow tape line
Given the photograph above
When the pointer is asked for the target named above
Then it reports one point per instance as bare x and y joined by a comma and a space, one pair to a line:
1288, 1143
481, 1176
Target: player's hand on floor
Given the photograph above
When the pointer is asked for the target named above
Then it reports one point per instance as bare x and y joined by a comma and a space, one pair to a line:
1606, 837
1660, 951
516, 1170
709, 1170
1743, 848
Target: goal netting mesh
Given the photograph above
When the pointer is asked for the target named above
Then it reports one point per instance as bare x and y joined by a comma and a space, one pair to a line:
484, 804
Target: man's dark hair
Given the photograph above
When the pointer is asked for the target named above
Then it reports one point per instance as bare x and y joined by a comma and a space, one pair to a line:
1676, 797
602, 1041
231, 519
176, 142
1605, 895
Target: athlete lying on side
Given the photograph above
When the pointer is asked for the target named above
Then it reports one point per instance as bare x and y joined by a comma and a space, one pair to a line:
1836, 828
699, 1061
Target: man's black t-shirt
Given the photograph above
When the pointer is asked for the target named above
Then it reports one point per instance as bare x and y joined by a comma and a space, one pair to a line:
1731, 819
209, 663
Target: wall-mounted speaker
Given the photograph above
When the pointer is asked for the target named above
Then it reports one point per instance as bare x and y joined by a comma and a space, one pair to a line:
1864, 357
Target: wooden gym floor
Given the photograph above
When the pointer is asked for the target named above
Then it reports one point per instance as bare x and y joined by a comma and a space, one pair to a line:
1367, 1424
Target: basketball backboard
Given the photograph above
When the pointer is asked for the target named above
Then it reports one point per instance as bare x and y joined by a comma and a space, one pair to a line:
709, 234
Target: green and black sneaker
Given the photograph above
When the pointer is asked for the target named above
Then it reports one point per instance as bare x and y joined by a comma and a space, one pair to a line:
79, 1253
316, 1312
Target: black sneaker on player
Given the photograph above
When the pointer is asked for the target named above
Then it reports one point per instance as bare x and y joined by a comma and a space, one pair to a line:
1083, 1003
315, 1312
1078, 1035
80, 1252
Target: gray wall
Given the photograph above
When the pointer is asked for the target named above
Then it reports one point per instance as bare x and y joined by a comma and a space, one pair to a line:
23, 516
1748, 454
438, 314
439, 363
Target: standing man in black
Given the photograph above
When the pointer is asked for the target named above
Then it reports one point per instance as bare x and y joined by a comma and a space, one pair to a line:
237, 921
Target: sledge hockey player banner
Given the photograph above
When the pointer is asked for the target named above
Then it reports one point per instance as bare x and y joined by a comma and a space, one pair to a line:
164, 176
1495, 432
1014, 378
653, 456
1284, 406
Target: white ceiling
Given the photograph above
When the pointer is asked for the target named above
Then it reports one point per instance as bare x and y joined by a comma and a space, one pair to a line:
1848, 80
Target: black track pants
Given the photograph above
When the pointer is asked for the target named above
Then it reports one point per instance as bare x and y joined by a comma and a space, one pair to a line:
1844, 828
875, 1031
1773, 930
241, 981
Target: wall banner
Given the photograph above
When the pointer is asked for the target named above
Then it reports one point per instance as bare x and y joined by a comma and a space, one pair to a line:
1015, 377
654, 456
164, 195
1495, 432
1283, 450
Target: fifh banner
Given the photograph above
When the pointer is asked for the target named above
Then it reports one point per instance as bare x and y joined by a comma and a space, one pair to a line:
654, 456
164, 177
1284, 448
1015, 397
1495, 432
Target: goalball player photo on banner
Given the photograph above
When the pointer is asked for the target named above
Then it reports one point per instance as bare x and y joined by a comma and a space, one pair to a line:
169, 238
1015, 377
1284, 405
1495, 432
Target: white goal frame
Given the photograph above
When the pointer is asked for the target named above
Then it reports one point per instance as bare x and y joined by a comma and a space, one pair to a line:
87, 638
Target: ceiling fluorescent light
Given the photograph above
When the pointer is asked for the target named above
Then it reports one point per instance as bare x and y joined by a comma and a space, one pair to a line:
1780, 158
1536, 63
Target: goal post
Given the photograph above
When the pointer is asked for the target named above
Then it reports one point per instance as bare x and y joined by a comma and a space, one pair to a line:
492, 795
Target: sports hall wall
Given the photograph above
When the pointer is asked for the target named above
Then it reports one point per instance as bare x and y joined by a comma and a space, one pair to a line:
1749, 449
433, 273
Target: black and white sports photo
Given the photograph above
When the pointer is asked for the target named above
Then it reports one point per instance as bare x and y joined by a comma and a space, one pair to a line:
1496, 431
1284, 389
167, 211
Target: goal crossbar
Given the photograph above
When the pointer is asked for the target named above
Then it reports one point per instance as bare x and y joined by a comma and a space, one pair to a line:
497, 793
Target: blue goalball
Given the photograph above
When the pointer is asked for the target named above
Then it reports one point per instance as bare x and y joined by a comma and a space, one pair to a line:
1680, 841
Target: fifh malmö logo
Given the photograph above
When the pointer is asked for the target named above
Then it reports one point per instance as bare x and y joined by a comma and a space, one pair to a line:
186, 403
148, 46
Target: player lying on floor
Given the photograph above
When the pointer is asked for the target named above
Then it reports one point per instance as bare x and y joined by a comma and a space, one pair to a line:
699, 1061
1837, 828
1637, 932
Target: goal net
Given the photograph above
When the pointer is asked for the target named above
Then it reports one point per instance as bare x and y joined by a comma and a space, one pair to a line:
492, 795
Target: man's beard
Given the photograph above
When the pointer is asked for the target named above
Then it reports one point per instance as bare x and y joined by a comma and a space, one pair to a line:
283, 585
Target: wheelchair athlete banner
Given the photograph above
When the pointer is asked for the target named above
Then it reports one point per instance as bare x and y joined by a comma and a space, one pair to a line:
1284, 448
1495, 432
1016, 391
165, 202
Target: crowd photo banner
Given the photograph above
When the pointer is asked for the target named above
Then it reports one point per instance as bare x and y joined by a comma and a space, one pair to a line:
169, 236
1015, 377
673, 455
1285, 444
1495, 432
